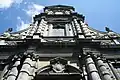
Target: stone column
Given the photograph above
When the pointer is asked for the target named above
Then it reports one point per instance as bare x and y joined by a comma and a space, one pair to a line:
114, 72
27, 71
14, 71
4, 72
91, 68
105, 73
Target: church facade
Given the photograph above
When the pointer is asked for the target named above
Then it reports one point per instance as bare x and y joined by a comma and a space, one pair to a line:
59, 45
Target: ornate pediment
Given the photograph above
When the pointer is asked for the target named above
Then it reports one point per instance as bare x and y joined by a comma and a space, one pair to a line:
58, 66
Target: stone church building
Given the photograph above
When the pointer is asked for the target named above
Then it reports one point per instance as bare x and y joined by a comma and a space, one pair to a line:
59, 45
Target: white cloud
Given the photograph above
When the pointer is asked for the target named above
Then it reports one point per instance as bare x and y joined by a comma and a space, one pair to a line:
21, 24
34, 9
18, 1
5, 3
8, 3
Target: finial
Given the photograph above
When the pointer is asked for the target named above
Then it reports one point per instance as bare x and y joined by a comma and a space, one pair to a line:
9, 30
107, 29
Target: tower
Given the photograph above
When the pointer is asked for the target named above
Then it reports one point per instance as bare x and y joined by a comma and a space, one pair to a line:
59, 45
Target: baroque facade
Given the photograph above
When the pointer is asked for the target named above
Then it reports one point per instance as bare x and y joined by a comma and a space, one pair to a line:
59, 45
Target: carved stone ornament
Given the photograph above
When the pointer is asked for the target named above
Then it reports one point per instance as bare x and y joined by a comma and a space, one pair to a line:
58, 64
58, 67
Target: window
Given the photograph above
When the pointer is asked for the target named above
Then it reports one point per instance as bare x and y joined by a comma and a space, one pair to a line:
58, 30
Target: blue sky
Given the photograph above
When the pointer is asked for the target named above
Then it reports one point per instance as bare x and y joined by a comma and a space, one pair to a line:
17, 14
